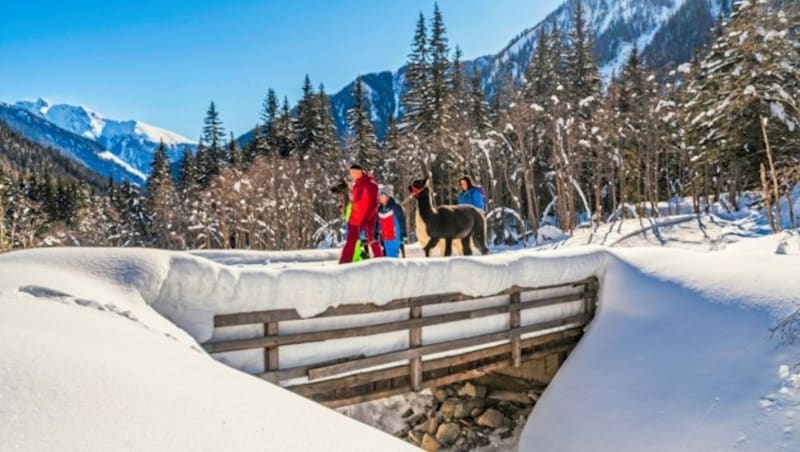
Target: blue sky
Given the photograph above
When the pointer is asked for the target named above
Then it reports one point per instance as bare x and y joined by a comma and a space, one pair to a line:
162, 62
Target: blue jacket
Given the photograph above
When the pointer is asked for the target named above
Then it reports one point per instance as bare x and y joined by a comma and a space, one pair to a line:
473, 197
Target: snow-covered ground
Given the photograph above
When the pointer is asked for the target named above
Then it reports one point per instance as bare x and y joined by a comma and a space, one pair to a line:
681, 357
86, 364
99, 347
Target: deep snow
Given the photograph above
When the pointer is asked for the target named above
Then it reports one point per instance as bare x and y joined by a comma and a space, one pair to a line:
100, 370
679, 357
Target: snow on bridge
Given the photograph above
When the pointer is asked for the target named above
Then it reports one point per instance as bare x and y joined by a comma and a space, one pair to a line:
679, 354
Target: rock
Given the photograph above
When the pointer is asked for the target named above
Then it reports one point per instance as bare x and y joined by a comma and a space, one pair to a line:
430, 425
473, 391
407, 413
476, 412
501, 430
429, 443
465, 408
491, 418
440, 394
415, 437
525, 412
447, 433
509, 396
415, 419
449, 407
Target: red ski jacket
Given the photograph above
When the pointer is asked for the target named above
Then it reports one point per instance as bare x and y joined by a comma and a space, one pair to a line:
364, 197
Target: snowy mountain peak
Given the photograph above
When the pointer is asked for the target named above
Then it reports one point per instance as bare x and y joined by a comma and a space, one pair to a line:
127, 141
80, 120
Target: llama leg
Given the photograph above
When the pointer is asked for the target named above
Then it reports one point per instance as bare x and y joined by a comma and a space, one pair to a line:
466, 246
431, 244
448, 247
479, 235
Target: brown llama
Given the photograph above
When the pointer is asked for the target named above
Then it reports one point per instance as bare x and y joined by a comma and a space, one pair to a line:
449, 223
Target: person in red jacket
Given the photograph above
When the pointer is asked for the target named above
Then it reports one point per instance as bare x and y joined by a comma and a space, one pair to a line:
363, 215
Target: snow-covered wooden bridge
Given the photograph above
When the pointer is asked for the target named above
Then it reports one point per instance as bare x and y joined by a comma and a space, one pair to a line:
443, 346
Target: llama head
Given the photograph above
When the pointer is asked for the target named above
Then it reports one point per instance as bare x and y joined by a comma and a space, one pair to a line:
418, 187
339, 188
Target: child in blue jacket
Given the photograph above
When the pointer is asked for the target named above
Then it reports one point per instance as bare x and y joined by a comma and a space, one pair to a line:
391, 223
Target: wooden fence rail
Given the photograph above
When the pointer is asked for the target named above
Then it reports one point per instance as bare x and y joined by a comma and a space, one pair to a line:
358, 378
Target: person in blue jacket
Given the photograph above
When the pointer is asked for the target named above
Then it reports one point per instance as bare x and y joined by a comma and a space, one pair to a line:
471, 194
391, 223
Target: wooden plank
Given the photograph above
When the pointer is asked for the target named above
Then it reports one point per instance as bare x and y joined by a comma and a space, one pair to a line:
431, 365
483, 370
524, 289
279, 315
466, 375
309, 389
440, 381
301, 371
380, 328
249, 318
338, 403
317, 336
540, 303
414, 341
387, 358
463, 358
387, 374
515, 318
271, 355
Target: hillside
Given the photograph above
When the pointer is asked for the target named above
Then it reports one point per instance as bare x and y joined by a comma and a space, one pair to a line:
19, 155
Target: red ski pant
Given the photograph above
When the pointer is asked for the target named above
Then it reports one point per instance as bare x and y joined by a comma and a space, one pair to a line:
353, 233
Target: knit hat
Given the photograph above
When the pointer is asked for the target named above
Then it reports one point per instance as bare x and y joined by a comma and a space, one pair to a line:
356, 166
387, 190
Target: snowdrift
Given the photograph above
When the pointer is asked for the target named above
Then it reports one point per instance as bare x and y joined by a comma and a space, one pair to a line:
680, 353
680, 357
87, 364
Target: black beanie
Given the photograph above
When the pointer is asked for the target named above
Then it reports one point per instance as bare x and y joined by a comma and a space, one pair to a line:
356, 166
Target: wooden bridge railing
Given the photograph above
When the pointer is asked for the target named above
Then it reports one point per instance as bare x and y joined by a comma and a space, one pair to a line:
359, 378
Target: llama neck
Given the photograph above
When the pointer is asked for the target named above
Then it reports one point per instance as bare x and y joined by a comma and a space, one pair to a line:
426, 210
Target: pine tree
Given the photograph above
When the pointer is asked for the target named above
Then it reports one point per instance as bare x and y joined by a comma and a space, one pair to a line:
440, 69
187, 170
213, 132
416, 99
284, 133
538, 84
328, 141
308, 123
254, 146
160, 201
479, 109
582, 70
234, 154
213, 136
750, 75
362, 143
269, 116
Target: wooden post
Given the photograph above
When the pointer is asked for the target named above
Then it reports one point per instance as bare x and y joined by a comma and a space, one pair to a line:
271, 361
588, 303
515, 323
415, 340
